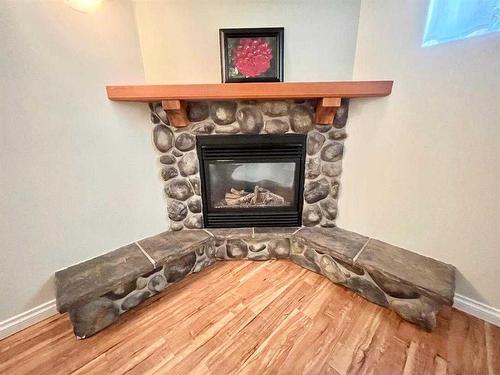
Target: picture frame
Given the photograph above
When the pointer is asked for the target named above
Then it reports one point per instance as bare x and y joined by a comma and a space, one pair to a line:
252, 54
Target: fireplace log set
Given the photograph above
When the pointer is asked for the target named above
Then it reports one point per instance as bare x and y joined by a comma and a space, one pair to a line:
259, 197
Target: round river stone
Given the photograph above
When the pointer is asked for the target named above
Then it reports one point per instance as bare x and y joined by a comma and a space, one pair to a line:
185, 142
197, 111
223, 113
301, 119
332, 151
163, 138
276, 126
177, 211
178, 188
315, 191
250, 120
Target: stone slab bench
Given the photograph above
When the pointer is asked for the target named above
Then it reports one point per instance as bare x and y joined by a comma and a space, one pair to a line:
97, 291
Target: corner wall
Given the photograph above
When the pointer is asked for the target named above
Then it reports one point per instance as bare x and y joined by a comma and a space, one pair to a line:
421, 167
78, 172
180, 38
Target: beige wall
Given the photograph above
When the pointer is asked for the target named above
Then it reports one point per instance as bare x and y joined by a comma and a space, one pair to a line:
422, 167
78, 174
180, 38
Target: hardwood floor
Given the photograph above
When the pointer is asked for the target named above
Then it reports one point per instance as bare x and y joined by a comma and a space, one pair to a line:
255, 318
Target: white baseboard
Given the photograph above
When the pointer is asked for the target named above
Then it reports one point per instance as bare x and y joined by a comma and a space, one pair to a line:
47, 309
27, 318
477, 309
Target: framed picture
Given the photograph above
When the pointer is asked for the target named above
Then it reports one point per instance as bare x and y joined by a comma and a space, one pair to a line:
252, 55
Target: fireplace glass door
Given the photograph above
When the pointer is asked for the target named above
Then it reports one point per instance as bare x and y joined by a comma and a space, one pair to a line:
252, 180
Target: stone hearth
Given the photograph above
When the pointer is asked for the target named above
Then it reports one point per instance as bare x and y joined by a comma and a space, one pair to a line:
98, 291
180, 164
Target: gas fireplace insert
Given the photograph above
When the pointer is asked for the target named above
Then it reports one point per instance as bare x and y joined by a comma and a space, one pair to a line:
252, 180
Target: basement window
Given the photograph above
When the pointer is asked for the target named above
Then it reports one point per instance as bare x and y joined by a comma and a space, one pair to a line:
449, 20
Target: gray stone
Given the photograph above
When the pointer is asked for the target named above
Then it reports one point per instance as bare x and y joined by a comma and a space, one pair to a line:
313, 168
168, 173
163, 138
167, 159
276, 126
279, 232
420, 311
223, 113
185, 142
122, 290
334, 190
196, 184
279, 248
340, 244
332, 169
427, 276
188, 165
177, 269
323, 128
255, 247
315, 191
393, 288
177, 211
311, 215
227, 129
197, 111
337, 135
141, 283
95, 277
178, 188
159, 113
341, 115
135, 299
327, 223
167, 245
232, 233
176, 226
304, 257
314, 142
177, 153
194, 204
194, 222
331, 270
220, 252
236, 249
274, 108
301, 119
263, 255
203, 128
250, 120
332, 151
368, 290
329, 207
157, 283
93, 316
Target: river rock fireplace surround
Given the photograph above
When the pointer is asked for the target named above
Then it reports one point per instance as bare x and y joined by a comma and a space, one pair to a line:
251, 171
284, 169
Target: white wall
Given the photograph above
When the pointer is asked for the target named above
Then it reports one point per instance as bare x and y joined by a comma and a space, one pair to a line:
422, 166
180, 38
78, 172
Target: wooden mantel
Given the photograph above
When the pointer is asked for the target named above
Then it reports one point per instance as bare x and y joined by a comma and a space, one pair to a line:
174, 97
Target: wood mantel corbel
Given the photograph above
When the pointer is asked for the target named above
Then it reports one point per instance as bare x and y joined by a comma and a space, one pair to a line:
174, 98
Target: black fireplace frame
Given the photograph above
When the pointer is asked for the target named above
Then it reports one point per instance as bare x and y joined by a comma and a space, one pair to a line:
252, 148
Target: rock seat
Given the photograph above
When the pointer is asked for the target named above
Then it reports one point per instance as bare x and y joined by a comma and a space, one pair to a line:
97, 291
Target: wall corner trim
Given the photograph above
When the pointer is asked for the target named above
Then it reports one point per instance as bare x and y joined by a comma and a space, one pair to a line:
27, 318
477, 309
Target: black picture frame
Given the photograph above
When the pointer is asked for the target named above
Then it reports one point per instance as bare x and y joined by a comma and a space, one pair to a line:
274, 39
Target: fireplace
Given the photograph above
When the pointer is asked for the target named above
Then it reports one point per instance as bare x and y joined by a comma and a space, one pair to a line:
252, 180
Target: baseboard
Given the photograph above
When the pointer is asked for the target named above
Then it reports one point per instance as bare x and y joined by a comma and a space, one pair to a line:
477, 309
27, 318
47, 309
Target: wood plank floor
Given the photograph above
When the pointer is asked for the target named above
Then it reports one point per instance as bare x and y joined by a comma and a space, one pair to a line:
257, 318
